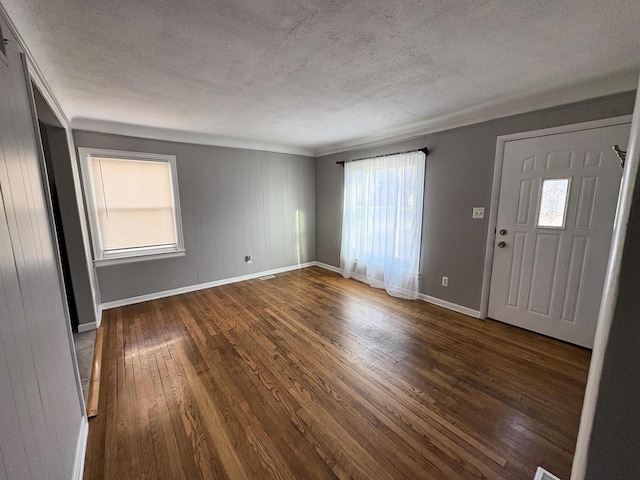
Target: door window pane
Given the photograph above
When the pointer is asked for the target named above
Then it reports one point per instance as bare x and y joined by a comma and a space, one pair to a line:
553, 203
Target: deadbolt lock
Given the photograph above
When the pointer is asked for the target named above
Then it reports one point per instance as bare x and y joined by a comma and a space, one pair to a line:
503, 232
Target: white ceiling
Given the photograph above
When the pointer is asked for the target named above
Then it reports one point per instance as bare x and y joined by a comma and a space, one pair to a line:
314, 76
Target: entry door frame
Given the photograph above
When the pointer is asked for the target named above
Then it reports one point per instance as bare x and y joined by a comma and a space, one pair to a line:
495, 189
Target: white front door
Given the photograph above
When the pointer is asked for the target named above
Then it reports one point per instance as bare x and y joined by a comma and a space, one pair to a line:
558, 196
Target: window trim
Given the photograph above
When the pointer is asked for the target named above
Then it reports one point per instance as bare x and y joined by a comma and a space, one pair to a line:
100, 258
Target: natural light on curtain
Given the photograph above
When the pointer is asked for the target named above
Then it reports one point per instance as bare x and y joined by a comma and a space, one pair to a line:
382, 222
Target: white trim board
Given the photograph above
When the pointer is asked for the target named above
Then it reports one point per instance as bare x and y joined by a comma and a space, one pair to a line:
326, 266
183, 136
495, 189
199, 286
421, 296
100, 309
450, 306
85, 327
81, 449
501, 108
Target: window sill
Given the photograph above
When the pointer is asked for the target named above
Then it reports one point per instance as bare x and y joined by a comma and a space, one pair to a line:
104, 262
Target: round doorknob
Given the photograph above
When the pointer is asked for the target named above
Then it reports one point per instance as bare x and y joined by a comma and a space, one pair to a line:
502, 245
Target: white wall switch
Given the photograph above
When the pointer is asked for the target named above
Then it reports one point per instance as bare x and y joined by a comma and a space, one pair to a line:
478, 212
445, 281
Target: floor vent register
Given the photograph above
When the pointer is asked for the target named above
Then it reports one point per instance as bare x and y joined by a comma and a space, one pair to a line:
542, 474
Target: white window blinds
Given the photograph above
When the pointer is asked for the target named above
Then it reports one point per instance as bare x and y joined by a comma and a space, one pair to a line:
134, 203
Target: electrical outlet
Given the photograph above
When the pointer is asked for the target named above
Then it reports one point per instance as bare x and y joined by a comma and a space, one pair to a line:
445, 281
478, 212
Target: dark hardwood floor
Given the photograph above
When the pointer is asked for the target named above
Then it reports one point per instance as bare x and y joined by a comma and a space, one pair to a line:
311, 376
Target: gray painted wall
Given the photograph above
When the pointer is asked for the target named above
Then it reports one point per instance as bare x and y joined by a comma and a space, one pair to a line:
458, 177
234, 203
41, 411
614, 449
70, 217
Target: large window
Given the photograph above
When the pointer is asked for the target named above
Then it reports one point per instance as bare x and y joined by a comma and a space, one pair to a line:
133, 205
382, 222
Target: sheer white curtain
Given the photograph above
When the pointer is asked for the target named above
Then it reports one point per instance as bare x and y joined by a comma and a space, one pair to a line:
382, 222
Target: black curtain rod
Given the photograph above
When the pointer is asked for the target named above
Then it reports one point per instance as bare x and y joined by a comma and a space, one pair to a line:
424, 150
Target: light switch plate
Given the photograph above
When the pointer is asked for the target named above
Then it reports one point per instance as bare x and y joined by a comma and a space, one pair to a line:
478, 212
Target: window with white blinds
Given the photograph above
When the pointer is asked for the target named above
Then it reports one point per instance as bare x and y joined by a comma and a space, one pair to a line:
132, 199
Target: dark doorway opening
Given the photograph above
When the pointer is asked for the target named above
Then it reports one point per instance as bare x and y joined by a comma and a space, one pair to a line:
55, 149
57, 218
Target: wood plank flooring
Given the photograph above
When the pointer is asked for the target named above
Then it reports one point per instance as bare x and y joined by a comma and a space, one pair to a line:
311, 376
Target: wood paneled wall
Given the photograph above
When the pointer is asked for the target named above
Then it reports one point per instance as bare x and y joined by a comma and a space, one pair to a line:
40, 407
234, 202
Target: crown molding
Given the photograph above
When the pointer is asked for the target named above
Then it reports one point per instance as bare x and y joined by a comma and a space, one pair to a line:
617, 83
505, 107
34, 71
180, 136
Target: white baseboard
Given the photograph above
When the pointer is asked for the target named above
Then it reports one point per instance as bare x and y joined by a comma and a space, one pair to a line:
81, 449
98, 314
426, 298
99, 317
326, 266
199, 286
451, 306
85, 327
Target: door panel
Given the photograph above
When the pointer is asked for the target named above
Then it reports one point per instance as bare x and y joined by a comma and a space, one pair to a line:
543, 275
517, 263
575, 274
549, 274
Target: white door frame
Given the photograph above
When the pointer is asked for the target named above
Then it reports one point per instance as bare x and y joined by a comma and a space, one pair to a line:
495, 189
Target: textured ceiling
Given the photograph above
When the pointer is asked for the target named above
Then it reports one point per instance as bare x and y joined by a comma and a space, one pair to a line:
318, 76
